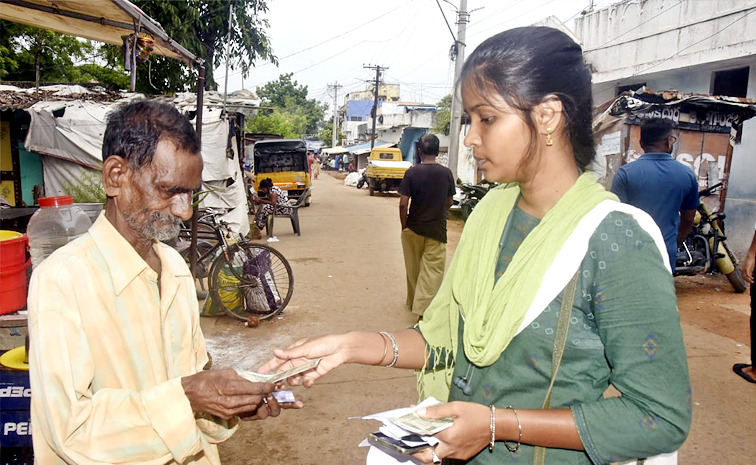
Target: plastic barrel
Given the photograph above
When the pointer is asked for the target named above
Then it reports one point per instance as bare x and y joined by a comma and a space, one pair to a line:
13, 264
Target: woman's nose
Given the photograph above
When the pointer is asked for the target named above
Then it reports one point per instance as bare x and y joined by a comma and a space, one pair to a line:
472, 138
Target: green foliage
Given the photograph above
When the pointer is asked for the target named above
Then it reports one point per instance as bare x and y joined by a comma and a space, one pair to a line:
326, 134
293, 112
87, 189
201, 26
25, 44
21, 46
278, 121
443, 116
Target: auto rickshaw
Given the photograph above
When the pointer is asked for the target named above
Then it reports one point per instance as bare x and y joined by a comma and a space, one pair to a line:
284, 161
385, 170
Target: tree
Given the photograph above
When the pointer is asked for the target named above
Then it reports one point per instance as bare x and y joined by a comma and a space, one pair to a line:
326, 134
443, 116
290, 97
201, 26
277, 121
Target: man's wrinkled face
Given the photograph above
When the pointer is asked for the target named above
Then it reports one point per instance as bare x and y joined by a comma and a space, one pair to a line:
160, 194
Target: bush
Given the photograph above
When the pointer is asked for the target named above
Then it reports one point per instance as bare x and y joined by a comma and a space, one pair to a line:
87, 189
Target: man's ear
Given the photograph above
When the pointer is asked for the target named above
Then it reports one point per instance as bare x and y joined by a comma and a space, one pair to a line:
548, 115
115, 172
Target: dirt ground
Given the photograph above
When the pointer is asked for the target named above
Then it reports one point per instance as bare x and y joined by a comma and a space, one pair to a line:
349, 274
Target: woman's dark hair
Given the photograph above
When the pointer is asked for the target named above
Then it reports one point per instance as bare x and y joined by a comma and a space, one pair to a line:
525, 65
134, 130
266, 183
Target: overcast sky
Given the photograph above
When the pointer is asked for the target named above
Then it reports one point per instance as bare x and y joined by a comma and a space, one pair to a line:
328, 41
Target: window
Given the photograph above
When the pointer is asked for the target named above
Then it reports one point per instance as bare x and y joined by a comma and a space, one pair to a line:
732, 82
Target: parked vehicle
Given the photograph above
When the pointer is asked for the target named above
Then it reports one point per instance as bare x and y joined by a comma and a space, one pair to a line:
705, 248
284, 161
385, 170
363, 179
468, 196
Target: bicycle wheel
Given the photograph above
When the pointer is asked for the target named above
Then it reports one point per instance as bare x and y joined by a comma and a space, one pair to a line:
251, 279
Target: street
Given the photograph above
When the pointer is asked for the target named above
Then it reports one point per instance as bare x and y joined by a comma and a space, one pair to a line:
349, 274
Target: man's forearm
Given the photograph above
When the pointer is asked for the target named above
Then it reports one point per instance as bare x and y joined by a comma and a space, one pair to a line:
686, 222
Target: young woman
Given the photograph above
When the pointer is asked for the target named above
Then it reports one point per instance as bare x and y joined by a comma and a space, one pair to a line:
277, 199
492, 339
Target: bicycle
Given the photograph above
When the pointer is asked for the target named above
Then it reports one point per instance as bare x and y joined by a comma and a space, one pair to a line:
243, 278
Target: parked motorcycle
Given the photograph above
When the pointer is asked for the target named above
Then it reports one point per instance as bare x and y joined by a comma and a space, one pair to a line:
705, 248
468, 196
363, 179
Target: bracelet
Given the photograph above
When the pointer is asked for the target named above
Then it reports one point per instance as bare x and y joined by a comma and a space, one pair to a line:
385, 348
519, 428
493, 428
394, 346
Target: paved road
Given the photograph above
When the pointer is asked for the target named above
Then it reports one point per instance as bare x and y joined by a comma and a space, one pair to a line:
349, 274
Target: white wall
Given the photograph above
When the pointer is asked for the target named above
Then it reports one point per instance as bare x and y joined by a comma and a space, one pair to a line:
671, 45
637, 37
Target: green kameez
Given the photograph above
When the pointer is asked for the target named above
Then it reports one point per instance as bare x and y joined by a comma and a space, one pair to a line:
624, 331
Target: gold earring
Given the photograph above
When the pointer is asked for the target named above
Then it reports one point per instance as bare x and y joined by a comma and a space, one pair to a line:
549, 141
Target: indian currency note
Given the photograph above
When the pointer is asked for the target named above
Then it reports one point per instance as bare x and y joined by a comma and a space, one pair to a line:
423, 426
276, 377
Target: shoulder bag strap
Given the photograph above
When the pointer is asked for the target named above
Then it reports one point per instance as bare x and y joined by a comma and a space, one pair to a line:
560, 341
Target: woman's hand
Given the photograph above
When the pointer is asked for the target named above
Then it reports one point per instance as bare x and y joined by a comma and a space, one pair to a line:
329, 349
470, 433
257, 200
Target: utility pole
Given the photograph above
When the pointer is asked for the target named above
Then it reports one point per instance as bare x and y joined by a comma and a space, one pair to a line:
378, 70
456, 109
335, 88
228, 52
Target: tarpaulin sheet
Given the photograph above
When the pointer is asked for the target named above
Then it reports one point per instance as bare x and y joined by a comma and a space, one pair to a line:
74, 139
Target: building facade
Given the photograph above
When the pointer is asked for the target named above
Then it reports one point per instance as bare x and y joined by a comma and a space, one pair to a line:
692, 46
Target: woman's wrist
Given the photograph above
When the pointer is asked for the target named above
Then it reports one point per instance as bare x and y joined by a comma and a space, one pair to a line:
364, 348
508, 425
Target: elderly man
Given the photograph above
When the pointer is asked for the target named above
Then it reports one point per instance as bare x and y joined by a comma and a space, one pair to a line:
117, 354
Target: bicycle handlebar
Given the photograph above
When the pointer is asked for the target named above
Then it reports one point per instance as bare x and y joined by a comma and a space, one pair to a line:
709, 190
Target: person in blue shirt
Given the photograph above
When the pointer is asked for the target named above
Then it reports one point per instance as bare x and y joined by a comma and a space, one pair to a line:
659, 185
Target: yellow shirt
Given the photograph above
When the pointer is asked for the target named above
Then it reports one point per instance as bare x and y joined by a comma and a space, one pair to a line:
108, 351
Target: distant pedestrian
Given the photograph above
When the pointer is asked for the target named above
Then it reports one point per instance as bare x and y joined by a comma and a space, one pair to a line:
316, 168
426, 194
310, 161
659, 185
747, 372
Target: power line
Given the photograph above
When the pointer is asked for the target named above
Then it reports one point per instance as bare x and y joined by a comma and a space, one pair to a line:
454, 38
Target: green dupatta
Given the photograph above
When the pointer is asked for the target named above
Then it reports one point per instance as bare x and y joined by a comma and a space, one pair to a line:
493, 313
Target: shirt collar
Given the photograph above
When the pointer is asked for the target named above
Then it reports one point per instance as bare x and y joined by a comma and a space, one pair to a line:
123, 261
657, 156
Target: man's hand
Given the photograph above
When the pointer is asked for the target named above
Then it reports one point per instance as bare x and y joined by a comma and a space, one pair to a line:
747, 268
225, 394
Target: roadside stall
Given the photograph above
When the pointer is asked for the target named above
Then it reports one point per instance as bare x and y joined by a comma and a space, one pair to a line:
706, 127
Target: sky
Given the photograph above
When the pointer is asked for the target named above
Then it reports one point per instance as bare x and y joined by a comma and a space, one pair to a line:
330, 41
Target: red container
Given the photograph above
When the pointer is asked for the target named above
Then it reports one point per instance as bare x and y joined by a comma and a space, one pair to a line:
13, 263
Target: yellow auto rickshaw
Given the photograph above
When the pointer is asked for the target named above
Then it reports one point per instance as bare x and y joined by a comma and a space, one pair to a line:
284, 161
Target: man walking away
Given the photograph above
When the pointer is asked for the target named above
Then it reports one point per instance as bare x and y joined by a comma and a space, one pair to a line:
426, 191
747, 372
659, 185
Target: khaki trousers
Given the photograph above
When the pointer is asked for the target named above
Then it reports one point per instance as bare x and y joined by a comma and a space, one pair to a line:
425, 260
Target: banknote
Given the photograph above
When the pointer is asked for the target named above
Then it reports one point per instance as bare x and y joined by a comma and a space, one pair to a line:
276, 377
423, 426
